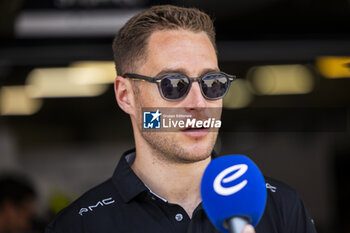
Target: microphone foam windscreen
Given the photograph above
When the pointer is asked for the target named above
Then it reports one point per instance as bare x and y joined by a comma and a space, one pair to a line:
231, 186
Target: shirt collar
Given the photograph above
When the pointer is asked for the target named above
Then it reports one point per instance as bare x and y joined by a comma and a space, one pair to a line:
127, 182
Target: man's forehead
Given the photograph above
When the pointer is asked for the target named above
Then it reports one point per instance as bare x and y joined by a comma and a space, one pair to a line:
184, 71
181, 51
169, 38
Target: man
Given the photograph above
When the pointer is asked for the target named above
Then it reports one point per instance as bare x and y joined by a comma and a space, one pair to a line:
17, 204
155, 188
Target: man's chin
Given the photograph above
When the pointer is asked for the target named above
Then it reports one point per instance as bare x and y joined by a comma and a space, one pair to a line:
177, 148
193, 156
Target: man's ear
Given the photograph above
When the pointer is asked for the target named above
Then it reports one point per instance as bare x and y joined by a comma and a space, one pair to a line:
124, 95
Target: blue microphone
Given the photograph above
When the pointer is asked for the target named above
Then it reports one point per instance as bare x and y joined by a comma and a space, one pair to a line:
233, 193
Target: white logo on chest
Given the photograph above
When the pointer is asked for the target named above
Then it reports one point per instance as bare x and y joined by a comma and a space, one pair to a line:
103, 202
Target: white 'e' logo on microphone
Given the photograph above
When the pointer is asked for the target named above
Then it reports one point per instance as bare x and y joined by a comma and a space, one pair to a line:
225, 191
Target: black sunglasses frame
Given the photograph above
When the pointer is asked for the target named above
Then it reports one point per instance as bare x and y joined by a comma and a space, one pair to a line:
158, 80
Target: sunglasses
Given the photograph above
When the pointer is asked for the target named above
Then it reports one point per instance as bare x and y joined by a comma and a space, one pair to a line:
175, 86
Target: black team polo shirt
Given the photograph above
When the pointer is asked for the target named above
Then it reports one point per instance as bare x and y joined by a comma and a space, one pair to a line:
123, 204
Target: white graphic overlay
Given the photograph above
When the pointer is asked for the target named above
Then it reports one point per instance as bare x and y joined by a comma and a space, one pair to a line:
156, 115
220, 178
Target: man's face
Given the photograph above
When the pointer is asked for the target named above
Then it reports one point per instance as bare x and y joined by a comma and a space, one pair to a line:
192, 54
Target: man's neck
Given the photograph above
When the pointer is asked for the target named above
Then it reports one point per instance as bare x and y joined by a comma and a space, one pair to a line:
178, 183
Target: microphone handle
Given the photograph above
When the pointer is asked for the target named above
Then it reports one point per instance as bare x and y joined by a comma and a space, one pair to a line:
236, 224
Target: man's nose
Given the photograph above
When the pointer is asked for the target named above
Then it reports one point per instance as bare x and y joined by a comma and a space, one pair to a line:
195, 99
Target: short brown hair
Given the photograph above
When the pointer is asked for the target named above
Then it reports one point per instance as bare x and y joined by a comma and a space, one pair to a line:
130, 44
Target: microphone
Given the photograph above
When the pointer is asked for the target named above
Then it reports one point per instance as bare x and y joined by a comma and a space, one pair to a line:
233, 193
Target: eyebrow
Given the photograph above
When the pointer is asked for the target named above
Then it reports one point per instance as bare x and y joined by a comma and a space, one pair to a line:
183, 71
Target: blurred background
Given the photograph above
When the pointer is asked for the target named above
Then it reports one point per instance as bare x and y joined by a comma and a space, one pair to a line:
61, 129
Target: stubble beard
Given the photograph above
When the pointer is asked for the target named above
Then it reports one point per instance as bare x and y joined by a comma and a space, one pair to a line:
167, 149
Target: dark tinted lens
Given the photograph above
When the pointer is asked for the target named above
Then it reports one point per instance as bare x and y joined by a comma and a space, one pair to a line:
214, 85
174, 86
